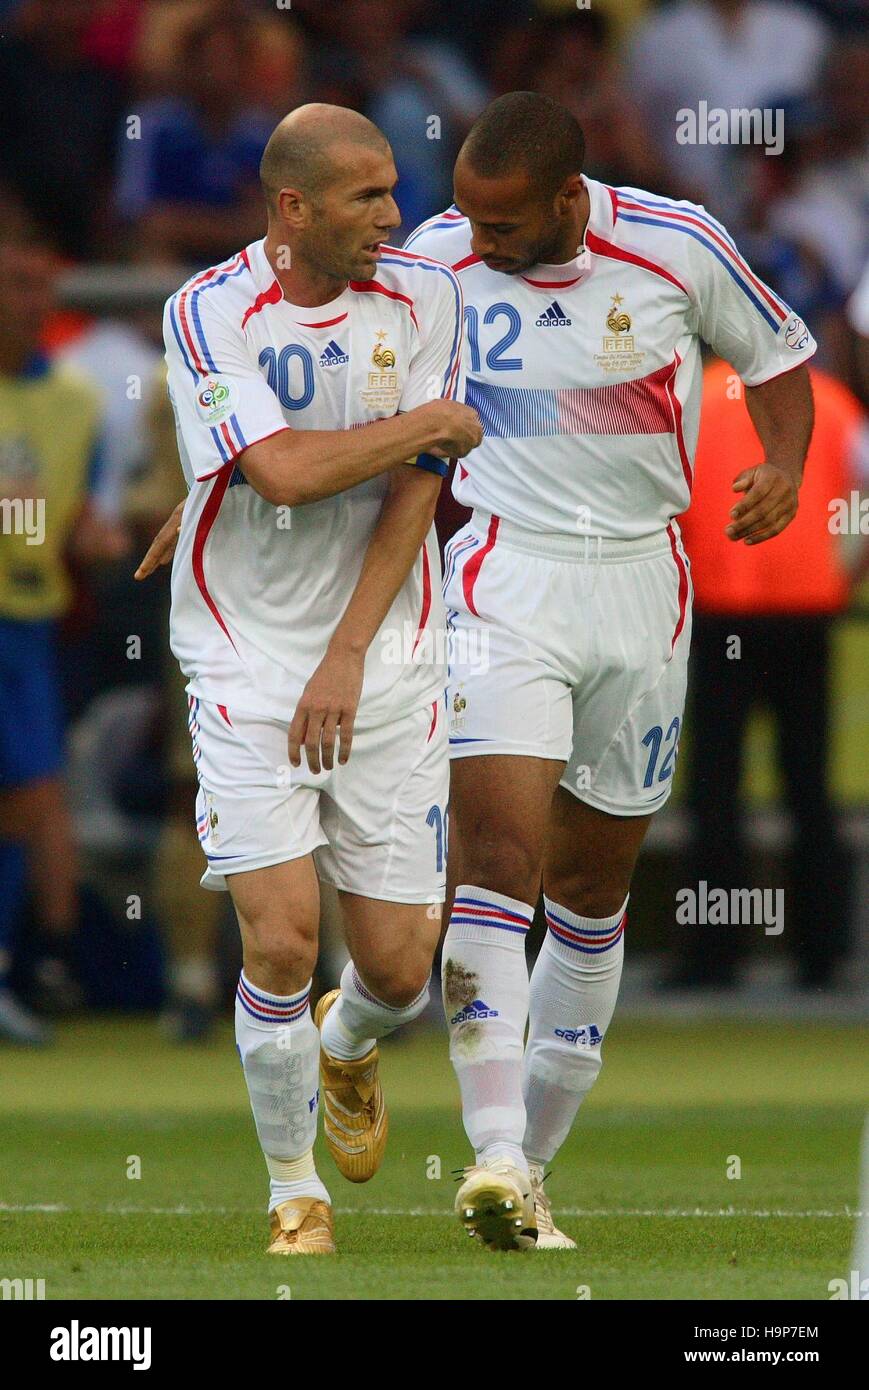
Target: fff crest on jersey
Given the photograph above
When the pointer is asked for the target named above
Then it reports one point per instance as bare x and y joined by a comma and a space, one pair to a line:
383, 389
620, 352
460, 704
213, 821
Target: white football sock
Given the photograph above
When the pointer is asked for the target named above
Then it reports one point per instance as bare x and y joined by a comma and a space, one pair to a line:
485, 987
357, 1018
574, 987
296, 1177
280, 1053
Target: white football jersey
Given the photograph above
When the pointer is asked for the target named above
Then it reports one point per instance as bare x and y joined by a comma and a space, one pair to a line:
258, 590
587, 376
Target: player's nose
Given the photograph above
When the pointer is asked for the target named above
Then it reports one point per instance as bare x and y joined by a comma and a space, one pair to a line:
391, 216
481, 246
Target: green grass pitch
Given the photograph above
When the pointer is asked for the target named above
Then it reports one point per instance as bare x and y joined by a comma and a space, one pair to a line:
641, 1184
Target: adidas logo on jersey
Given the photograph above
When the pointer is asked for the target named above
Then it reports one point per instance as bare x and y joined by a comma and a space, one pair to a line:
554, 317
475, 1010
582, 1037
333, 355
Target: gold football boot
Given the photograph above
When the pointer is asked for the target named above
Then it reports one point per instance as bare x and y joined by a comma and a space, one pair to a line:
548, 1235
355, 1121
301, 1226
495, 1204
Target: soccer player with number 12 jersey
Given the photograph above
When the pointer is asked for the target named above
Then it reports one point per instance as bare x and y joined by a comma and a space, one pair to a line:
568, 597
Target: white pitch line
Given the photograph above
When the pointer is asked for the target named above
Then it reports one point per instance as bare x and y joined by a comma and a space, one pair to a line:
701, 1211
653, 1213
617, 1211
34, 1206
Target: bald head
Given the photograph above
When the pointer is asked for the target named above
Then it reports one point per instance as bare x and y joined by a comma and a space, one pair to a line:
306, 148
328, 176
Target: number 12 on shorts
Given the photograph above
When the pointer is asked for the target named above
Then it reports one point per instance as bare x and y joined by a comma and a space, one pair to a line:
653, 741
441, 829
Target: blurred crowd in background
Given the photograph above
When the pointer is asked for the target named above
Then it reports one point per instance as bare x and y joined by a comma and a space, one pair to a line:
130, 138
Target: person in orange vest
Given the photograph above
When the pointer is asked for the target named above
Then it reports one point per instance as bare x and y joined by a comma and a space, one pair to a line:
762, 624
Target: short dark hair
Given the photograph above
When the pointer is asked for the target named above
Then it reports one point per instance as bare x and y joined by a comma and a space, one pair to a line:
524, 130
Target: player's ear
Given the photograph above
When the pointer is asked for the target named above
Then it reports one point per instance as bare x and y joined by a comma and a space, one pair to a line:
291, 206
569, 193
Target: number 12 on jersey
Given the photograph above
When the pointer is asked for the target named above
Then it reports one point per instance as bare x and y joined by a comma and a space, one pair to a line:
653, 740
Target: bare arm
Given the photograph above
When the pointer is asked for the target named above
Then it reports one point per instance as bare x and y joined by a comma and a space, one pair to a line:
331, 697
782, 412
405, 520
298, 466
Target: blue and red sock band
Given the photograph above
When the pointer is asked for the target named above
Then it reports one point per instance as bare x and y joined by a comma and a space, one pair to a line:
272, 1008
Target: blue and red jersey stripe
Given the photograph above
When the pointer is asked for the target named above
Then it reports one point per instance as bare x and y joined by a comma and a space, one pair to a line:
710, 234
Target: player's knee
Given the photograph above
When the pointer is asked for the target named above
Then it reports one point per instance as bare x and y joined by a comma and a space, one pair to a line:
586, 893
503, 864
400, 982
286, 959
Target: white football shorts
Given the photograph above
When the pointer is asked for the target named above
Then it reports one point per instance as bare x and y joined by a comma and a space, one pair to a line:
376, 825
570, 648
